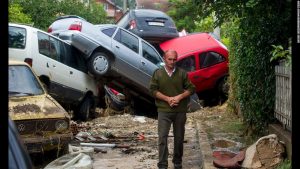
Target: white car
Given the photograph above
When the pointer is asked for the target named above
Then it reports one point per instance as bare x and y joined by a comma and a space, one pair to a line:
59, 66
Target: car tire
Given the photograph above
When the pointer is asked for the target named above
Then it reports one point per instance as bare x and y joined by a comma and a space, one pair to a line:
85, 108
223, 89
223, 86
99, 64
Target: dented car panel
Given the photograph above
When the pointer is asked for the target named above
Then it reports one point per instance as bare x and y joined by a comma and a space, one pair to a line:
42, 122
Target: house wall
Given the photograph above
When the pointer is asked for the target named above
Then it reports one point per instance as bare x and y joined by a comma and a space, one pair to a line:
111, 10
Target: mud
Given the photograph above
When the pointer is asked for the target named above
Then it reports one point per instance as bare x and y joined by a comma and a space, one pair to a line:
26, 108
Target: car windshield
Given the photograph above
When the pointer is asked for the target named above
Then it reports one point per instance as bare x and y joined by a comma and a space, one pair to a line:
22, 82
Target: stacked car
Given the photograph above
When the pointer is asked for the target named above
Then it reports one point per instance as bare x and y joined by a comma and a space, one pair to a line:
59, 65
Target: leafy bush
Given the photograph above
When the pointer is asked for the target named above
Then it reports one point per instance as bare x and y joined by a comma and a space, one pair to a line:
17, 15
44, 12
286, 164
250, 28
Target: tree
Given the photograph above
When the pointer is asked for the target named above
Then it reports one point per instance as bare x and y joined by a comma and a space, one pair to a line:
16, 14
256, 26
44, 12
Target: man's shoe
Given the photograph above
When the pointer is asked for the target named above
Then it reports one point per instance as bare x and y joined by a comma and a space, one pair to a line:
177, 166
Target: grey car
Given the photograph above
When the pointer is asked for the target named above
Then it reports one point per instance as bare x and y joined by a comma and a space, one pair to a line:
112, 52
152, 25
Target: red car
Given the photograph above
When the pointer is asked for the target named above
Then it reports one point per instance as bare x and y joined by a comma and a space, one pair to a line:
204, 58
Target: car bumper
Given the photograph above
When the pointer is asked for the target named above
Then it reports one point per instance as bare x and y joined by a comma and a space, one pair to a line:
156, 37
37, 144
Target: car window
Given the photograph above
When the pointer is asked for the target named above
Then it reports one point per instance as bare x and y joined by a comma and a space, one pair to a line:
210, 58
44, 44
187, 63
128, 40
109, 31
22, 82
55, 51
17, 37
150, 54
76, 60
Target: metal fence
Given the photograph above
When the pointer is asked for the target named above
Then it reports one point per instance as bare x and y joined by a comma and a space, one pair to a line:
283, 100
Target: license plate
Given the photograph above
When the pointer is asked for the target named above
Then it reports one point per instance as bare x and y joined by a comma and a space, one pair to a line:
156, 24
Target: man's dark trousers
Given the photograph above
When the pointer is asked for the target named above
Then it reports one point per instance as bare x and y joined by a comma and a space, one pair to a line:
164, 123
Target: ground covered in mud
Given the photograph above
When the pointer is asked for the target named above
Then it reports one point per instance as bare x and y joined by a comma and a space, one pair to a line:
134, 138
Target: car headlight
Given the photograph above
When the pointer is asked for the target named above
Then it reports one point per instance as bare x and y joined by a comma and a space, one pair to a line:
61, 125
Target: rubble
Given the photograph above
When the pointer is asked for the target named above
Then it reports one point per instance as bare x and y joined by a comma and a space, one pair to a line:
267, 152
71, 161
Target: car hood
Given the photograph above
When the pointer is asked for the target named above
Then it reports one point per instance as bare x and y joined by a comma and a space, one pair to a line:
35, 107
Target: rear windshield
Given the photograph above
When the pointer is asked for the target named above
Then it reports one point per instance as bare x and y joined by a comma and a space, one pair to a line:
17, 37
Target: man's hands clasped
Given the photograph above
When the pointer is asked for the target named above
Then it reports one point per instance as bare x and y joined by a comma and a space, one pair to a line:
174, 101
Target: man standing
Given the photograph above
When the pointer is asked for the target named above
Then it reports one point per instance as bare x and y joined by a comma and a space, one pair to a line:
171, 89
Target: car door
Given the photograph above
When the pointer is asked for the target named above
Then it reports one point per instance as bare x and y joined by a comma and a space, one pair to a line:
126, 48
212, 66
150, 61
79, 81
189, 64
58, 74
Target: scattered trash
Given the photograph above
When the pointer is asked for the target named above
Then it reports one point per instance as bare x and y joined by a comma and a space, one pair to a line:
84, 135
71, 161
141, 136
76, 150
140, 119
267, 152
101, 150
104, 145
234, 162
219, 154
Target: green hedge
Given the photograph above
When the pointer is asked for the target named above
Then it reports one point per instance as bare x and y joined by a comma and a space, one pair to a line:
252, 74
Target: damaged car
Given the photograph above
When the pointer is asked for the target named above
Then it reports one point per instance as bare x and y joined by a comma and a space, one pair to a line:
205, 59
42, 122
113, 53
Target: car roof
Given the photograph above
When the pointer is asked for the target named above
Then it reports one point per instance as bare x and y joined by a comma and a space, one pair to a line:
21, 25
36, 29
69, 16
191, 42
106, 25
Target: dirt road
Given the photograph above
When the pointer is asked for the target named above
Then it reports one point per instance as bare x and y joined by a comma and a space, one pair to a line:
143, 152
139, 133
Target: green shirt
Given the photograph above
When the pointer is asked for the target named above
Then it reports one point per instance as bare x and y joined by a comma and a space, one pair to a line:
170, 86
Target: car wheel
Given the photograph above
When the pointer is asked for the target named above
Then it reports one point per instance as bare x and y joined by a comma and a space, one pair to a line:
223, 86
99, 64
223, 89
85, 108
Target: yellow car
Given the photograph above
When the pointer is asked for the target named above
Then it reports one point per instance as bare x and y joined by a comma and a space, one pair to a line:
42, 122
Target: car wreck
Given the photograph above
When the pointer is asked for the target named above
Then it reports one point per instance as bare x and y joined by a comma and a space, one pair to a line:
42, 122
